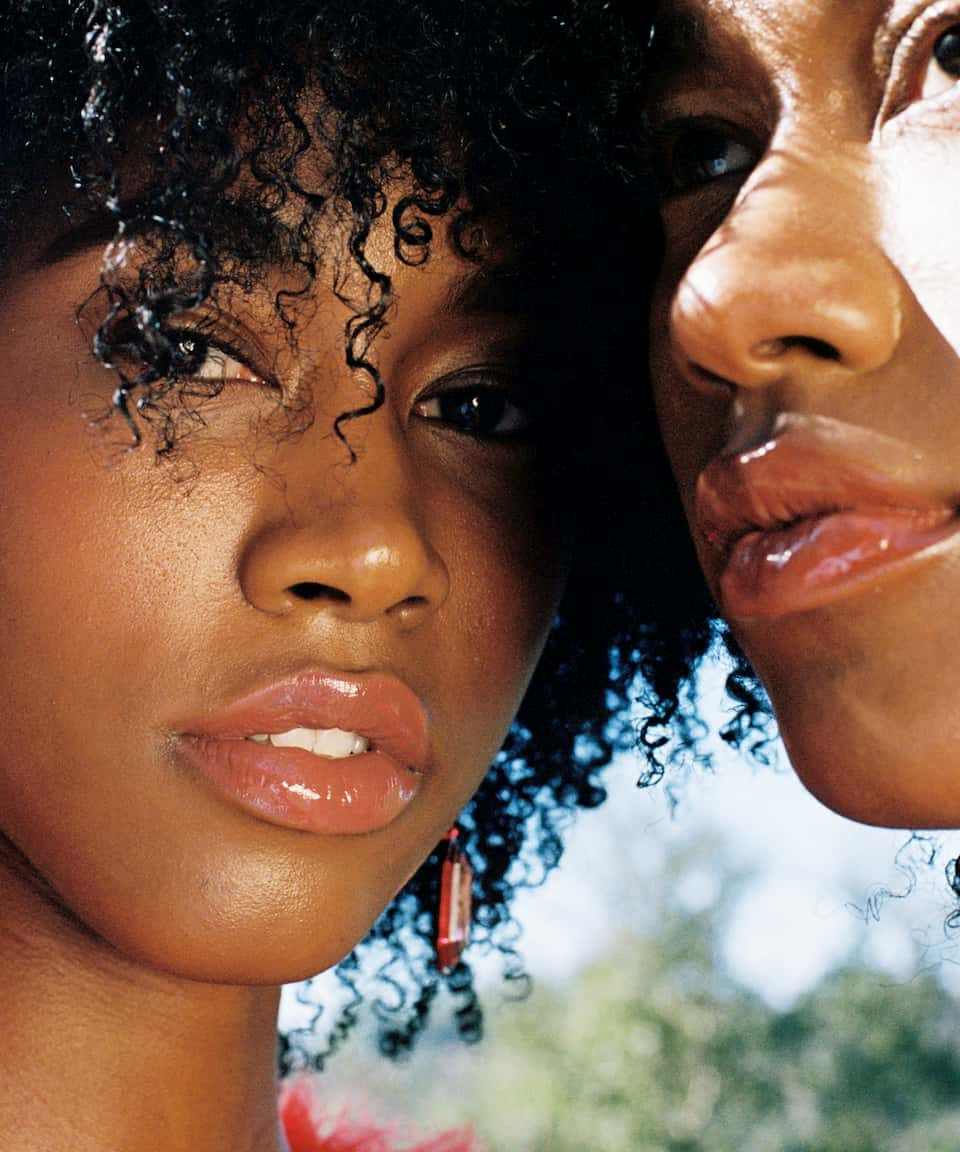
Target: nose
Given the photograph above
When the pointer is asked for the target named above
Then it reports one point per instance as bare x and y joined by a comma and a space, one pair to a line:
791, 286
347, 541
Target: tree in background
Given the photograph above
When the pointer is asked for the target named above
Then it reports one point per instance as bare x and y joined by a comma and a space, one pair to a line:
655, 1049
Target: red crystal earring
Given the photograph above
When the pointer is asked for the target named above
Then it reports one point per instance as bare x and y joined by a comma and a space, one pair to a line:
456, 884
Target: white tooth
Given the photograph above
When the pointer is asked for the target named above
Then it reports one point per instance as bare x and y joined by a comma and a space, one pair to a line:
295, 738
334, 742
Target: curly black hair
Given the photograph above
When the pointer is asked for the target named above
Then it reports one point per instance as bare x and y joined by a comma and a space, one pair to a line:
196, 126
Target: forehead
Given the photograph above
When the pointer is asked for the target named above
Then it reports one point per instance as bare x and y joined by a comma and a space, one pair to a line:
774, 33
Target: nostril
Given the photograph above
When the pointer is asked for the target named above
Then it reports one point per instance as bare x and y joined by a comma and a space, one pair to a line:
708, 378
820, 349
410, 602
310, 590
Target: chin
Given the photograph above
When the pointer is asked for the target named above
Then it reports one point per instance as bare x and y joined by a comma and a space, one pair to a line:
277, 927
244, 955
865, 699
879, 784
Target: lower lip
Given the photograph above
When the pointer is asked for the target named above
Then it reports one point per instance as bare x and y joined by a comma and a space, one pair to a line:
820, 560
295, 789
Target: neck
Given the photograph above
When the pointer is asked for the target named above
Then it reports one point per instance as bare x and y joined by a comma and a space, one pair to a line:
102, 1053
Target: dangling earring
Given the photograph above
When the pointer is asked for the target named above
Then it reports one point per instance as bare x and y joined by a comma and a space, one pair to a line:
456, 884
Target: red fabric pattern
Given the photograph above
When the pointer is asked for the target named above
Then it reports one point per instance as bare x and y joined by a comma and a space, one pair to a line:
307, 1130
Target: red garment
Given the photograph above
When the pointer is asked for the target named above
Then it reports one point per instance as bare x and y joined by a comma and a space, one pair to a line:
308, 1131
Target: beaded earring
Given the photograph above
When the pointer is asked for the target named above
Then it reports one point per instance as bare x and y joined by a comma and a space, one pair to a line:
456, 884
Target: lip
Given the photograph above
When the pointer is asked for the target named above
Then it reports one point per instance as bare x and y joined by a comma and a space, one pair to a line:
296, 789
816, 513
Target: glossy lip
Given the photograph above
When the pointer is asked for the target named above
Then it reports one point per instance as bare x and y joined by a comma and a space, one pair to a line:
296, 789
815, 513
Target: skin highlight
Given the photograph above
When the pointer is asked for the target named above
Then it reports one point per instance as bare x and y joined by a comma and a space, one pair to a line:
807, 284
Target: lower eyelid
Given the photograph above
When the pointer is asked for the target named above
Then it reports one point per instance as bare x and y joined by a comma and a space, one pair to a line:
941, 112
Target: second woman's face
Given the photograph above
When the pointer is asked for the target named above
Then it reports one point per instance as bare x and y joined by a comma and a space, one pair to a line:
807, 371
246, 689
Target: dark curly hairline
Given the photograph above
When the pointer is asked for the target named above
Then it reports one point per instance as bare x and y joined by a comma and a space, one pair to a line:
625, 621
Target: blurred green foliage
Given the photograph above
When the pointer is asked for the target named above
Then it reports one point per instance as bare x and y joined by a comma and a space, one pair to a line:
655, 1049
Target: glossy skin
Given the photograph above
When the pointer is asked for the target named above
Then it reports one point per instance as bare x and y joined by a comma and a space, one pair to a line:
139, 599
811, 271
139, 594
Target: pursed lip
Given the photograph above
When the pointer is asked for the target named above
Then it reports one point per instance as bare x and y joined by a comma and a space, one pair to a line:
813, 512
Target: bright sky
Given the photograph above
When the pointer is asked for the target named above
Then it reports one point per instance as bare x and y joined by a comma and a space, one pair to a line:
810, 877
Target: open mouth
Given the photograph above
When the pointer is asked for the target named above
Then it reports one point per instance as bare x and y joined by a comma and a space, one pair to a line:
323, 753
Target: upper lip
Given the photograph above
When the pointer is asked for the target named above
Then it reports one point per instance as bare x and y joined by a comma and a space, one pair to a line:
809, 467
375, 705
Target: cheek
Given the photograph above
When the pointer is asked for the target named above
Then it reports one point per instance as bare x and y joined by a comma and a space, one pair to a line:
109, 584
672, 410
693, 425
865, 696
508, 560
920, 223
97, 578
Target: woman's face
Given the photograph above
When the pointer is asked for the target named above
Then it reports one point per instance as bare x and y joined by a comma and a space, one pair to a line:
807, 370
166, 623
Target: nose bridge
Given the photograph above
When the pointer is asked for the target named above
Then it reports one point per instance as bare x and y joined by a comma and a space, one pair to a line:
793, 281
347, 538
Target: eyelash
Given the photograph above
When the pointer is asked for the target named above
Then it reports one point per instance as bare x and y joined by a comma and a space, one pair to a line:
211, 345
124, 339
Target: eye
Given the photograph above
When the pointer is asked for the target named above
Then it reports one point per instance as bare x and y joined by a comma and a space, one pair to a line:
483, 410
924, 66
179, 353
943, 71
697, 154
196, 356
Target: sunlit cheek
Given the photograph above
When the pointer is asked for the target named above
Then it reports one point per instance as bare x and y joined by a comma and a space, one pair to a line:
920, 222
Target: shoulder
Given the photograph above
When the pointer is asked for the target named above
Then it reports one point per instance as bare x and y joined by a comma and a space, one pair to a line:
308, 1129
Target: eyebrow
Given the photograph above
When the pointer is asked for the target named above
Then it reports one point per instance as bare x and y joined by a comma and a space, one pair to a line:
679, 39
96, 232
488, 291
893, 21
501, 290
682, 38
